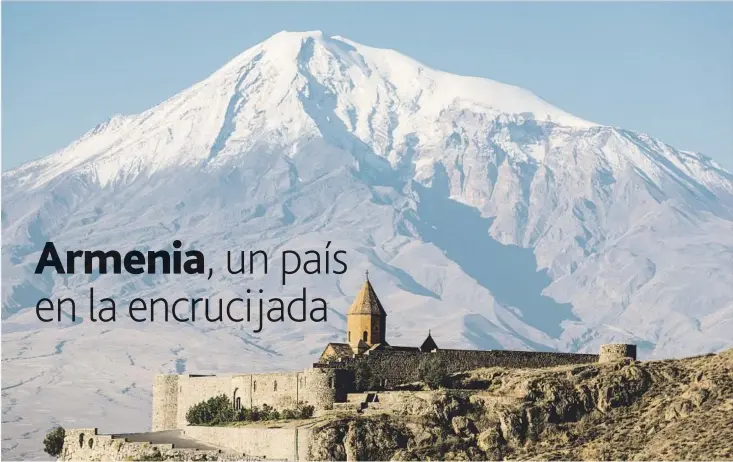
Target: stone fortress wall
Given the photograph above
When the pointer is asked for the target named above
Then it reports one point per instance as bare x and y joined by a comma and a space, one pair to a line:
398, 367
88, 444
278, 444
333, 377
327, 383
174, 395
323, 385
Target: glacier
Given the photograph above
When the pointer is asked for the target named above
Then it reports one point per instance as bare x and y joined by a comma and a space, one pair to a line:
482, 212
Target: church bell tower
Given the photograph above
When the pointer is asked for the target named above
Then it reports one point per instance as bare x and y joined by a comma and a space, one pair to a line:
366, 320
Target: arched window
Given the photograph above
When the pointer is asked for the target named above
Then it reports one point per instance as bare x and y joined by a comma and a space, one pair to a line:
254, 386
366, 336
274, 387
349, 336
235, 399
238, 404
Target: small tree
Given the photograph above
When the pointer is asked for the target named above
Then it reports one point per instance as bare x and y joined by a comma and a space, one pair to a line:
53, 443
363, 378
432, 371
305, 411
213, 411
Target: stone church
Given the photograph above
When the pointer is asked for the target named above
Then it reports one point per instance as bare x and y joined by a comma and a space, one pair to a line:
366, 329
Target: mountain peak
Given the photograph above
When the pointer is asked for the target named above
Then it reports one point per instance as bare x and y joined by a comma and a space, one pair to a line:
294, 85
344, 66
292, 41
486, 221
299, 34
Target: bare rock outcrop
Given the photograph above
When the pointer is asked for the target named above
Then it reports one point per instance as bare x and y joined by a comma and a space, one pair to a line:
376, 438
675, 409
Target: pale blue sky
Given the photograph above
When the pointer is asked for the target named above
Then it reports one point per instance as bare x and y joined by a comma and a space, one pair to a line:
662, 68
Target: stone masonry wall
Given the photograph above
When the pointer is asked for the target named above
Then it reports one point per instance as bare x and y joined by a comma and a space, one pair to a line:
614, 351
173, 395
397, 367
324, 384
165, 402
279, 390
194, 389
81, 444
267, 443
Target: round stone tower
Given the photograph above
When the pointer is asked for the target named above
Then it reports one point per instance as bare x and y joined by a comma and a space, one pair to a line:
322, 387
165, 402
616, 351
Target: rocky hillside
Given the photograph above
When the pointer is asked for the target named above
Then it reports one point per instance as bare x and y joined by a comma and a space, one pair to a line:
660, 410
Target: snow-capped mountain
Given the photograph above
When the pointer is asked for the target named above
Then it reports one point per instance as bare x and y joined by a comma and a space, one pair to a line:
481, 211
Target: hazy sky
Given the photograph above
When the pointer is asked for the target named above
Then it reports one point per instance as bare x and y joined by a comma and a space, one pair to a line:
661, 68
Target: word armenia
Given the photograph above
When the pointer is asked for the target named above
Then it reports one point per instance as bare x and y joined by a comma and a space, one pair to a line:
330, 379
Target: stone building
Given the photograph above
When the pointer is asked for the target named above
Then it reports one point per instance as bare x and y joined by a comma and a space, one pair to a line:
330, 379
366, 332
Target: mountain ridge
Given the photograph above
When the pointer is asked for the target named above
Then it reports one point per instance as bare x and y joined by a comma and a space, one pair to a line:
292, 45
494, 229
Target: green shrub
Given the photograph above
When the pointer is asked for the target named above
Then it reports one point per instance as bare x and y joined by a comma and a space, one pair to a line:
244, 414
214, 411
219, 411
266, 412
154, 456
305, 411
288, 414
432, 371
53, 443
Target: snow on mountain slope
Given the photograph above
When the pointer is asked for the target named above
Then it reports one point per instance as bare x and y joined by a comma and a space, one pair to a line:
482, 212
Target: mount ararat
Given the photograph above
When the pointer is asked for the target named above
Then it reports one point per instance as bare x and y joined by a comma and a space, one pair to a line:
482, 213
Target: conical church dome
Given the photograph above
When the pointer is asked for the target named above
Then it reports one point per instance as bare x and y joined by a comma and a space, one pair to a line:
429, 344
367, 302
